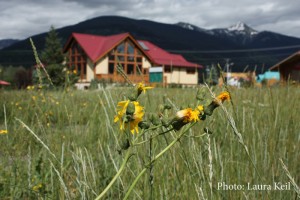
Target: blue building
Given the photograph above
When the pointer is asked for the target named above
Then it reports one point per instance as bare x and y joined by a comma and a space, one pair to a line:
268, 76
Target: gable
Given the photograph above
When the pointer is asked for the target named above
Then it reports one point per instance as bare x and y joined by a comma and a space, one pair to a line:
96, 47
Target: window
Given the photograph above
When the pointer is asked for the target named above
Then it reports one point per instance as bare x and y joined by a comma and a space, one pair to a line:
120, 66
145, 71
111, 68
130, 69
167, 69
121, 48
130, 48
139, 69
130, 58
190, 70
111, 57
121, 58
77, 60
126, 55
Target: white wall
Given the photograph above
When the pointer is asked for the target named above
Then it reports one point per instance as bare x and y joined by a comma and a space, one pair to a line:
89, 71
102, 66
180, 76
146, 64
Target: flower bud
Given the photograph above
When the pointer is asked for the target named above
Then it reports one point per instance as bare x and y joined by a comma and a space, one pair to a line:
133, 95
208, 110
130, 109
144, 125
201, 94
125, 144
167, 106
155, 120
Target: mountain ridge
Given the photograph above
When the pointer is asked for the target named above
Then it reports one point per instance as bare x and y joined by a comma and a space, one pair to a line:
191, 41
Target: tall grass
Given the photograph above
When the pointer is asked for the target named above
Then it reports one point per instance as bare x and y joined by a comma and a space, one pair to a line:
77, 128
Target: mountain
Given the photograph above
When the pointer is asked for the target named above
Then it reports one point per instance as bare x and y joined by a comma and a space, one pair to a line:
194, 43
7, 42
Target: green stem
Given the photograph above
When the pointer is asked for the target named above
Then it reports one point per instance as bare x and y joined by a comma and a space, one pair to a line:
155, 158
127, 156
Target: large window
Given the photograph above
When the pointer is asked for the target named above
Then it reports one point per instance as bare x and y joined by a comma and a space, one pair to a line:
128, 56
77, 60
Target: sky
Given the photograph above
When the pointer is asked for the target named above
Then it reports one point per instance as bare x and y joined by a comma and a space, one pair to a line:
20, 19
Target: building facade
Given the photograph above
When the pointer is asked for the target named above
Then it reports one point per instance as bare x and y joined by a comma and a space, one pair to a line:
102, 57
289, 68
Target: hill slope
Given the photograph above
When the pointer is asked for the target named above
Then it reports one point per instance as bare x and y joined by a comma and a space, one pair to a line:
194, 44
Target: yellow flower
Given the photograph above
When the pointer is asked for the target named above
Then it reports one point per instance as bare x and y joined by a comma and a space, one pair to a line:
74, 71
223, 96
200, 108
141, 88
30, 87
37, 187
122, 106
33, 98
133, 120
188, 115
2, 132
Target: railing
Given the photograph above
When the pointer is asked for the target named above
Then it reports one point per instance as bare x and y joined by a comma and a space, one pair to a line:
120, 79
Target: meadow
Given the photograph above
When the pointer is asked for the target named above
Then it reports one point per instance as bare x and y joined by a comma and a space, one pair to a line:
65, 145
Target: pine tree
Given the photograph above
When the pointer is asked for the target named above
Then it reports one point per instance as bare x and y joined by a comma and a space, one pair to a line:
52, 53
53, 57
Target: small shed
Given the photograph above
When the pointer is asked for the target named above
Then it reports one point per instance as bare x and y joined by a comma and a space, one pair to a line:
156, 75
289, 68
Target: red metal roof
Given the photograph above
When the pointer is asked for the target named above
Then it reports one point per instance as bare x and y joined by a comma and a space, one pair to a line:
162, 57
96, 46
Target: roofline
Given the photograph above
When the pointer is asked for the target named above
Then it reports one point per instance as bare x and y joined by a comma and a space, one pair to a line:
128, 35
196, 64
68, 42
284, 60
135, 41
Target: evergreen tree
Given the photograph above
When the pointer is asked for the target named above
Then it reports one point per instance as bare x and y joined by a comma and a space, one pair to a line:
53, 57
52, 53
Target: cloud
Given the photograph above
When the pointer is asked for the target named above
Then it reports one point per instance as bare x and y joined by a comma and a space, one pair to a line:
23, 18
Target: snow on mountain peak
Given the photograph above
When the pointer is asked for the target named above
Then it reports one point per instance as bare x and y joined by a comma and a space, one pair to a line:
242, 27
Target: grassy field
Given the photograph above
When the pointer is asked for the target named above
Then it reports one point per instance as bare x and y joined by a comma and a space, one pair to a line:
65, 145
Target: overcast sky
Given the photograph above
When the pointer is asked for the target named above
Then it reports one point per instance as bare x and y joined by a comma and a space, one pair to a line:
23, 18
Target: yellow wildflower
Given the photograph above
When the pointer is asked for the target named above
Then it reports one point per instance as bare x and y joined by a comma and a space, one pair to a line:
133, 120
223, 96
142, 88
30, 87
200, 108
37, 187
122, 106
188, 115
2, 132
74, 71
